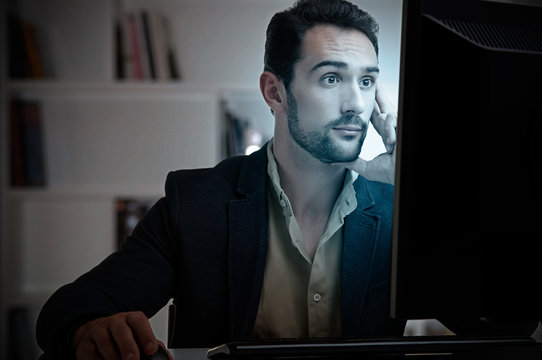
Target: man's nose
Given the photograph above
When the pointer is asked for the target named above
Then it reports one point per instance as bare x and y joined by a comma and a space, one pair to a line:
352, 100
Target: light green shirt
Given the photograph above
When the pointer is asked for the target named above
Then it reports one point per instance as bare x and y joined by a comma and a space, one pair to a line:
301, 297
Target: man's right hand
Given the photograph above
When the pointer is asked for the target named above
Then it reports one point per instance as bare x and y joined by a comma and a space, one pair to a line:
115, 337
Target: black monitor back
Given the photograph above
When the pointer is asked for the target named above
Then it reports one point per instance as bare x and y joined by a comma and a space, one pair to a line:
468, 210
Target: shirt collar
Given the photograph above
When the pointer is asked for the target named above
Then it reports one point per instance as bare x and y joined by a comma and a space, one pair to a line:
346, 201
272, 171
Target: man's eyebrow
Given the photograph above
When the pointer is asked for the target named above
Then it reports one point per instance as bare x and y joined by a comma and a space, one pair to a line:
372, 69
337, 64
342, 65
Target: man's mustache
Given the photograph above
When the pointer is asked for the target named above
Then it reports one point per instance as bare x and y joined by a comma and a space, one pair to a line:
348, 119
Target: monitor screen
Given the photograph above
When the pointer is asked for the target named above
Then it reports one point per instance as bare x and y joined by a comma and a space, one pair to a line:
468, 197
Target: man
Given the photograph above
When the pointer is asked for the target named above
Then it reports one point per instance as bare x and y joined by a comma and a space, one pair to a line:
283, 243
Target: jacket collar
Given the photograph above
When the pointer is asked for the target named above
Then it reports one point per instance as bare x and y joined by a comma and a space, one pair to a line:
253, 173
359, 245
364, 196
248, 228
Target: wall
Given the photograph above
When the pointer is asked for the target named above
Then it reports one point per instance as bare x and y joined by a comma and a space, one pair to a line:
102, 135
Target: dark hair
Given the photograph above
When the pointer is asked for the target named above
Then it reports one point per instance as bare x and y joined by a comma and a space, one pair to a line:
287, 29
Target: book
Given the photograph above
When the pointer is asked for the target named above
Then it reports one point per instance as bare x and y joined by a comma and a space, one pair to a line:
127, 53
119, 41
159, 45
135, 46
24, 54
142, 47
16, 144
33, 152
171, 56
17, 52
145, 47
148, 42
27, 145
34, 64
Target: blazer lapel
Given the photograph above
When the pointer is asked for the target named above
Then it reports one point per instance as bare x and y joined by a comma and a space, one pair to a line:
247, 245
359, 243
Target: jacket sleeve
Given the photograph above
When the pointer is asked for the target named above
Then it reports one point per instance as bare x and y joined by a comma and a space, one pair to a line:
138, 277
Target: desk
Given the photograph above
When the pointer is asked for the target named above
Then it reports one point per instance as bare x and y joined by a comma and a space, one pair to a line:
526, 353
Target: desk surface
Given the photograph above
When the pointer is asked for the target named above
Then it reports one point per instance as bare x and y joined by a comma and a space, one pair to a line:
521, 353
189, 354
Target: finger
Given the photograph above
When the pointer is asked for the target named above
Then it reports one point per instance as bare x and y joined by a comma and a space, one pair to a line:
142, 330
384, 104
87, 351
385, 125
384, 118
104, 342
165, 348
390, 132
124, 338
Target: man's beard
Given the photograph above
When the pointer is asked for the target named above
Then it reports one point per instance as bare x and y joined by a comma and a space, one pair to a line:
320, 144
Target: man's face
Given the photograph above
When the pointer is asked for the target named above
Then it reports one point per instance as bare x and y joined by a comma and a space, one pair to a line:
332, 95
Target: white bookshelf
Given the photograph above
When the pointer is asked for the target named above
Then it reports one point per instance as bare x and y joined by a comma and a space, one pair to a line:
105, 138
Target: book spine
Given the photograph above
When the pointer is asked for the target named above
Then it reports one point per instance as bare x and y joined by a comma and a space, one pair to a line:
17, 54
134, 42
119, 41
171, 58
16, 144
148, 42
33, 150
159, 47
142, 46
35, 69
127, 50
27, 164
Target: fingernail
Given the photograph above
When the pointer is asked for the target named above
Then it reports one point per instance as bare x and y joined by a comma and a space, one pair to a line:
130, 356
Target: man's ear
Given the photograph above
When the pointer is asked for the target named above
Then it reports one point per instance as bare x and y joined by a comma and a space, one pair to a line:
273, 91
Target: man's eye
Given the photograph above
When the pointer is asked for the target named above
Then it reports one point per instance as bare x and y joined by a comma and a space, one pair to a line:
366, 83
330, 80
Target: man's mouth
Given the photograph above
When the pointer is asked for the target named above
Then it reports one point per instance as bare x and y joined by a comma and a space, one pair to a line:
348, 130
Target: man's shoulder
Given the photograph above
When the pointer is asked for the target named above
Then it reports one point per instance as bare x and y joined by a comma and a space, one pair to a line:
377, 193
373, 185
226, 173
225, 170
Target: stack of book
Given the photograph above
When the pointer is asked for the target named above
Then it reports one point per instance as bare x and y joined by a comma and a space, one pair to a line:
241, 137
129, 211
144, 47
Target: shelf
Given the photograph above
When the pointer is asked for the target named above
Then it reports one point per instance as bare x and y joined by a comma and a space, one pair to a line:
52, 87
79, 192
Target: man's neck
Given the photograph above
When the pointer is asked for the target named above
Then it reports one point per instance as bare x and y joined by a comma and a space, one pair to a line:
311, 186
307, 181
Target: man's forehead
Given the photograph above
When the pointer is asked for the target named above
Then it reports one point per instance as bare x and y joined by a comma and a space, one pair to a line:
325, 42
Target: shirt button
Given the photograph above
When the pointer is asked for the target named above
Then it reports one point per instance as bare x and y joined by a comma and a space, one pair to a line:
317, 297
282, 203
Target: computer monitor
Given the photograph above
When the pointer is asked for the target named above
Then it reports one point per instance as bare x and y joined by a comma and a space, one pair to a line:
467, 239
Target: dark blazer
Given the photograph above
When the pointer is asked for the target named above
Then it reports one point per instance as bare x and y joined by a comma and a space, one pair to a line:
204, 244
